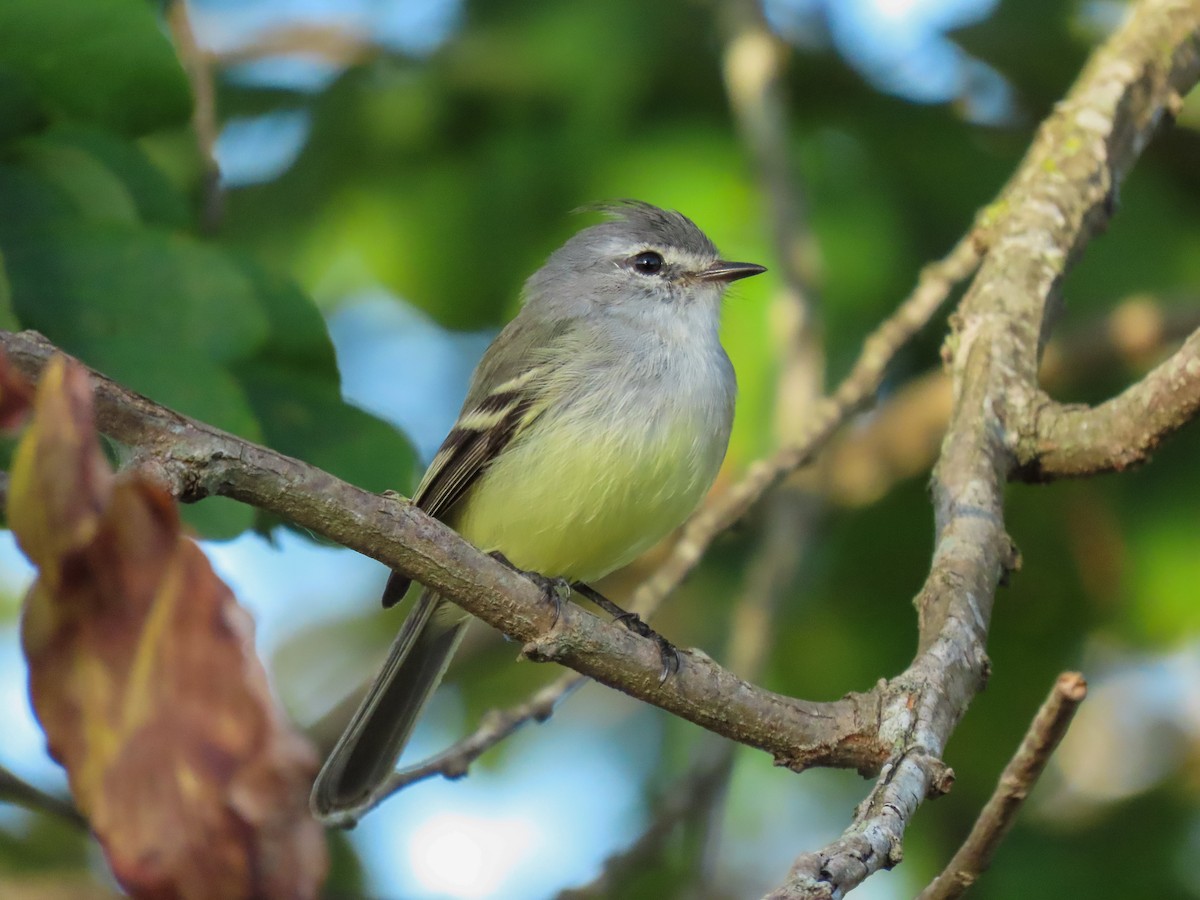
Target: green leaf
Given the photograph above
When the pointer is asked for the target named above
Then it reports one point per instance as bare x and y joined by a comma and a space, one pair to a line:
8, 318
298, 334
179, 376
305, 416
87, 284
218, 518
108, 62
155, 199
95, 192
40, 203
188, 381
20, 112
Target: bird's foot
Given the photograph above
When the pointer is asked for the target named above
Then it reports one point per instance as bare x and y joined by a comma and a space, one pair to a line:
555, 591
634, 622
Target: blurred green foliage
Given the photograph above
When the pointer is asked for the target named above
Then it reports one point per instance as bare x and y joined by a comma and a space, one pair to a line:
447, 179
101, 252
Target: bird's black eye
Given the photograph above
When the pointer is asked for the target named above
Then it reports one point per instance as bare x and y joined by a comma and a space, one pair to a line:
648, 262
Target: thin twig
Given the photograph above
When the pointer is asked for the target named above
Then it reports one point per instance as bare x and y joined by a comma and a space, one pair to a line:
695, 791
1022, 772
335, 45
753, 63
204, 114
494, 727
22, 793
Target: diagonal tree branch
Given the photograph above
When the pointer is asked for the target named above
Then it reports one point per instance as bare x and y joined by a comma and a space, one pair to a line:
1058, 200
1016, 781
856, 389
194, 460
1054, 205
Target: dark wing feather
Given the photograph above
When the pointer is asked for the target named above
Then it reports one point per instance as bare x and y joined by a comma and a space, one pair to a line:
468, 453
464, 456
505, 396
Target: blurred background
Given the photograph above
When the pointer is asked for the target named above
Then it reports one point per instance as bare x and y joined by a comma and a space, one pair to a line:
391, 170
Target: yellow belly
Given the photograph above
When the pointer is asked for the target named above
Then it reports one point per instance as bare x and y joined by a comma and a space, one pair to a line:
576, 499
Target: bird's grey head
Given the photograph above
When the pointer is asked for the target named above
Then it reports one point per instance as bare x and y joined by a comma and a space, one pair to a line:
641, 255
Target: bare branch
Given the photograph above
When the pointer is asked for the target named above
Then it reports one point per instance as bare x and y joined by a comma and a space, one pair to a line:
334, 45
204, 112
22, 793
1057, 201
194, 460
902, 437
1075, 441
1016, 781
496, 725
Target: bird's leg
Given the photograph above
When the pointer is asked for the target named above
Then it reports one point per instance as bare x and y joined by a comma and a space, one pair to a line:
632, 621
555, 590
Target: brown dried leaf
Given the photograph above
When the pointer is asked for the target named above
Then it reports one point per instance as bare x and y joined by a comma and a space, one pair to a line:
59, 478
143, 675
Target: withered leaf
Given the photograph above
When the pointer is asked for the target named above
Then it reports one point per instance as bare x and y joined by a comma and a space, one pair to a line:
59, 477
144, 677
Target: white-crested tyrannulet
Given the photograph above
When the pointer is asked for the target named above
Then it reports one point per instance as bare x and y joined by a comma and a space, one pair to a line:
594, 425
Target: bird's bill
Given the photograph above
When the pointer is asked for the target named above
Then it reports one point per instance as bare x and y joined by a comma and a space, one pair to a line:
723, 270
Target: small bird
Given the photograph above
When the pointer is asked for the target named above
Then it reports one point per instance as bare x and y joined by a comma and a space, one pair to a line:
594, 425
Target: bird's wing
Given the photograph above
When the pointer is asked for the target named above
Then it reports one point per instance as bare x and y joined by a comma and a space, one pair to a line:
478, 437
509, 391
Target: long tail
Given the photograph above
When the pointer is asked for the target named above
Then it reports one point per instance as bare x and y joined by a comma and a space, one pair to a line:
370, 746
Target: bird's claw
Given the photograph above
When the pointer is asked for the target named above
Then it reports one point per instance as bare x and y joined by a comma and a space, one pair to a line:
556, 591
635, 623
